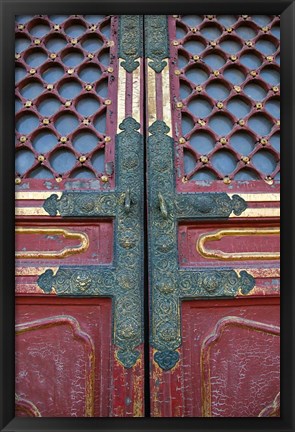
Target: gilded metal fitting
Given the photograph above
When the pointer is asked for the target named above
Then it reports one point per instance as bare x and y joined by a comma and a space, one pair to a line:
193, 29
175, 16
107, 139
199, 88
245, 159
108, 102
28, 104
278, 123
179, 105
93, 27
53, 56
258, 105
202, 122
46, 121
82, 159
204, 159
18, 180
229, 29
216, 73
245, 17
49, 86
226, 180
41, 158
58, 179
86, 121
213, 44
90, 55
268, 180
63, 139
219, 105
175, 43
23, 139
88, 87
237, 88
223, 141
56, 27
74, 41
37, 41
70, 71
184, 179
177, 72
196, 57
110, 69
269, 58
110, 43
104, 178
32, 71
16, 56
210, 17
253, 73
263, 141
275, 89
249, 43
182, 140
20, 27
233, 57
68, 103
265, 29
241, 122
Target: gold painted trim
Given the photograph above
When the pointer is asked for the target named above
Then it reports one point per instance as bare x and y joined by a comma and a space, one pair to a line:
151, 96
121, 94
35, 195
258, 197
33, 271
67, 251
167, 118
236, 232
30, 211
258, 213
136, 88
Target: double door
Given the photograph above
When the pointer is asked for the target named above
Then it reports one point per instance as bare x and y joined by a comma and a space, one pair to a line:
147, 205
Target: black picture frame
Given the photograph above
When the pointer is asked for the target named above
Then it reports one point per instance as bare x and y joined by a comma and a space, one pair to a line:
9, 8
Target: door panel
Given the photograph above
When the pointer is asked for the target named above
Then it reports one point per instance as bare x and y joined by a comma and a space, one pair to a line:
79, 207
213, 185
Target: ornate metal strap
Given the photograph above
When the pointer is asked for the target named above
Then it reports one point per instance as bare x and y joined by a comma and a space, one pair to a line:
169, 284
156, 41
124, 280
130, 41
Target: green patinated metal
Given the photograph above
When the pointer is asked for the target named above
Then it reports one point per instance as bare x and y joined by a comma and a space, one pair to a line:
156, 41
123, 281
169, 283
130, 40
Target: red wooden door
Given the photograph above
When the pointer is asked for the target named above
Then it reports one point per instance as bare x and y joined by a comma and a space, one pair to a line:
213, 173
211, 85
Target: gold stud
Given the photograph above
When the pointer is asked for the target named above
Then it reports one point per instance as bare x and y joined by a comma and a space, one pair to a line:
204, 159
104, 178
216, 73
88, 87
249, 43
223, 140
32, 71
193, 29
49, 86
17, 56
175, 16
269, 58
259, 105
184, 179
70, 71
241, 122
107, 139
41, 158
253, 73
110, 43
219, 105
177, 72
196, 57
58, 179
74, 41
278, 122
245, 159
28, 104
179, 105
37, 41
263, 141
175, 43
53, 56
245, 17
213, 44
110, 69
233, 57
90, 55
275, 89
68, 103
229, 29
63, 139
182, 140
45, 121
199, 88
226, 180
265, 29
23, 139
82, 159
18, 180
93, 27
108, 102
268, 180
56, 27
86, 121
201, 122
210, 17
237, 89
20, 26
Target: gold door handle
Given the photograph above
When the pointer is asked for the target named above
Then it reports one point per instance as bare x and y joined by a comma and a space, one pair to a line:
163, 206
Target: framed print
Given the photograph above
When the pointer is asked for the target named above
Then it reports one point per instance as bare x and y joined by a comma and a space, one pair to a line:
145, 249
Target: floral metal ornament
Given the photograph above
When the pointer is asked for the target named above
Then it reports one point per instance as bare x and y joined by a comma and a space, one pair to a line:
169, 283
130, 41
123, 281
156, 39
